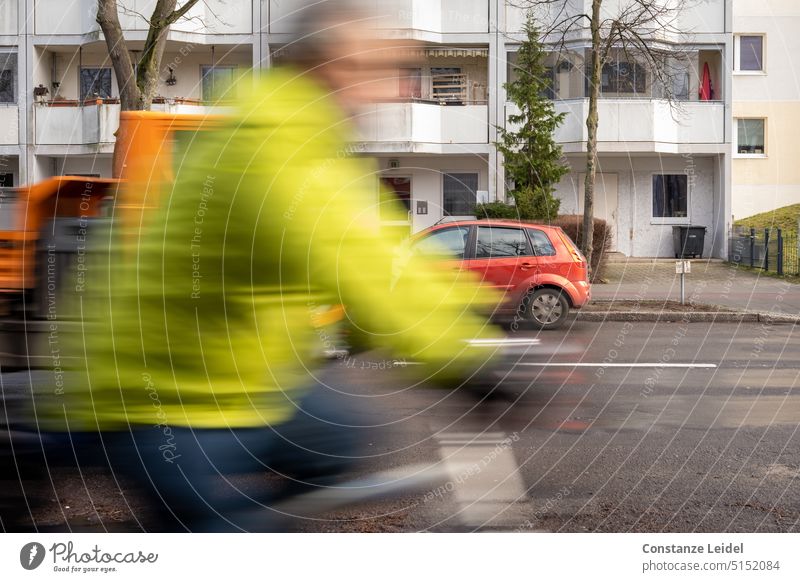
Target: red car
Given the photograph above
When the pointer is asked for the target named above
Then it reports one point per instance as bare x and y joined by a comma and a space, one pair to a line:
538, 268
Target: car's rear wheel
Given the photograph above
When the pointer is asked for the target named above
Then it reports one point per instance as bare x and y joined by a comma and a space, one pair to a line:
547, 308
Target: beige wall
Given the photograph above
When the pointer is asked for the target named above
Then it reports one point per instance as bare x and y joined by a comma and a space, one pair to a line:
769, 182
764, 183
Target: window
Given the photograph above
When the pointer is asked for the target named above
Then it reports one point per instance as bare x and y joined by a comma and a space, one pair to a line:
550, 90
95, 83
460, 194
8, 77
511, 66
447, 242
750, 137
497, 242
623, 77
670, 196
749, 51
542, 247
218, 82
410, 83
448, 85
9, 206
6, 180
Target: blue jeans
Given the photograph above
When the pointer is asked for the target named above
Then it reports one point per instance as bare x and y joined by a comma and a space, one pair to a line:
194, 477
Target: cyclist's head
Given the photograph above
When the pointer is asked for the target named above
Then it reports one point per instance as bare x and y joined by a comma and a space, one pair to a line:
337, 42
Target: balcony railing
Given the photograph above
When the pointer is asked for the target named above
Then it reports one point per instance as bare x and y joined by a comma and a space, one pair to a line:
436, 16
79, 17
425, 123
644, 120
72, 123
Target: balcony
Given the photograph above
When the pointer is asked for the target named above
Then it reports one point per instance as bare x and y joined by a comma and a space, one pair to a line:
641, 121
707, 16
68, 123
432, 16
94, 123
398, 127
75, 17
9, 124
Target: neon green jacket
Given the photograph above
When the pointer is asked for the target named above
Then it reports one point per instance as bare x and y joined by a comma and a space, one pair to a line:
270, 218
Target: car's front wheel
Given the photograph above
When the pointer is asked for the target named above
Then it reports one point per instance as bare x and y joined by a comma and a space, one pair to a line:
547, 308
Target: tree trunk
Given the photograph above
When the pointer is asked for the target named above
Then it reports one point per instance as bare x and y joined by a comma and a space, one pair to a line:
591, 127
108, 19
136, 91
137, 88
150, 60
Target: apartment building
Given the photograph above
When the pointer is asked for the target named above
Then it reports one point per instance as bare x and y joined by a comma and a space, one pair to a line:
659, 165
766, 105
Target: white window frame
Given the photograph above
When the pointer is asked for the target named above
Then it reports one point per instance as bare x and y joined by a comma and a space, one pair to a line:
678, 220
736, 153
441, 191
737, 53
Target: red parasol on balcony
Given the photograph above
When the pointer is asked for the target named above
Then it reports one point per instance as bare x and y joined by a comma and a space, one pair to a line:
706, 89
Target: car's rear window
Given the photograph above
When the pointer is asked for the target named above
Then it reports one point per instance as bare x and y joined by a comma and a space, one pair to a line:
542, 247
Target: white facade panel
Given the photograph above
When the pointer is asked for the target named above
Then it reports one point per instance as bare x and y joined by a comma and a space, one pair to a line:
8, 17
437, 16
56, 17
65, 16
9, 125
704, 17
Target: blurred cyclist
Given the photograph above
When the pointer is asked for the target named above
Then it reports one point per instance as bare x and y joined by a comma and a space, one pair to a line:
204, 364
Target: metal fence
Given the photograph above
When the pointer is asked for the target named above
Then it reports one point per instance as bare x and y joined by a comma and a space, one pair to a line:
771, 249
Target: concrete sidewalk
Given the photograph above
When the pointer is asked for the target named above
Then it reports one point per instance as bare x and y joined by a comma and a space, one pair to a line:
711, 281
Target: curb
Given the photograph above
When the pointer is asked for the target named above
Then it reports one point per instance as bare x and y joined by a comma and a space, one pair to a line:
688, 316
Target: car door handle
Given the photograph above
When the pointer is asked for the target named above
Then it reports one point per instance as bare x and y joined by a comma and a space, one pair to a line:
526, 266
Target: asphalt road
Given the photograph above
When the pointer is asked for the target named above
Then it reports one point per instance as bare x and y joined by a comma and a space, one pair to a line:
607, 427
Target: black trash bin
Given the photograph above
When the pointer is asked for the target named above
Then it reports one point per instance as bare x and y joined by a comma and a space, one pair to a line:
688, 241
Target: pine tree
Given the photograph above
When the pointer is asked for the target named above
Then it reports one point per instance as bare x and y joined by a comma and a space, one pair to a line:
533, 160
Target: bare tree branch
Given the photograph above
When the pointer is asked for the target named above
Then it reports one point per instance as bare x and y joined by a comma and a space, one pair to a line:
645, 32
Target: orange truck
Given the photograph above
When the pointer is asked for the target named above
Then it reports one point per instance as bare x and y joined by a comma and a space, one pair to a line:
46, 231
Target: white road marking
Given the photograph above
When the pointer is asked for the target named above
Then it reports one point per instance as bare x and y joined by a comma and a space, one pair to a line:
615, 365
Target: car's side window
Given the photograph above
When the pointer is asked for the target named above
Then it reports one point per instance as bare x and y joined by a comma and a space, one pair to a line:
497, 242
447, 242
542, 247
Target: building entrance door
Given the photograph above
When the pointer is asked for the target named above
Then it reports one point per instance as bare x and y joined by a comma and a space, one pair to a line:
606, 202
